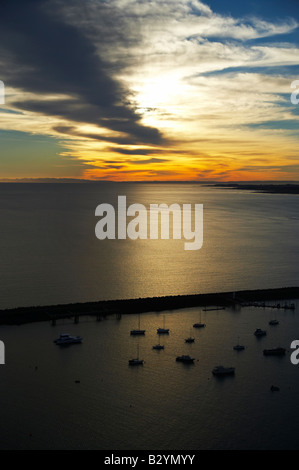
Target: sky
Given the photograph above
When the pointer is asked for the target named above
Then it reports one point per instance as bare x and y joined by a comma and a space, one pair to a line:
162, 90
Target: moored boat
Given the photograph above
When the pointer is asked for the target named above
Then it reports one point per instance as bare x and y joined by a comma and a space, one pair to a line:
260, 332
136, 362
274, 352
273, 322
199, 324
162, 331
65, 339
185, 358
239, 347
189, 340
137, 331
221, 370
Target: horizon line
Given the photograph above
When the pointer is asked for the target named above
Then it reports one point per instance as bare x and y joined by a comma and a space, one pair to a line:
88, 181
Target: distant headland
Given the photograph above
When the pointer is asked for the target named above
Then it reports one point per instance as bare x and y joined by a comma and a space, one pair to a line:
282, 188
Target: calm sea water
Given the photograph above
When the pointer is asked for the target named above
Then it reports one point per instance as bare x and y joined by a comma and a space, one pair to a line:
161, 405
50, 254
86, 396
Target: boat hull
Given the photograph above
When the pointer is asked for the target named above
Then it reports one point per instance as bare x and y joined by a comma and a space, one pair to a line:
136, 362
222, 371
186, 359
274, 352
65, 340
137, 332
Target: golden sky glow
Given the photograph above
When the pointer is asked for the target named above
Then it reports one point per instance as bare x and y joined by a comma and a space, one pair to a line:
183, 92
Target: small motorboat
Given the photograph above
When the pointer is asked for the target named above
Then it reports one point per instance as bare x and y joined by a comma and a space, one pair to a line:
199, 325
163, 331
136, 362
239, 347
137, 332
273, 322
274, 352
189, 340
65, 339
260, 332
185, 358
221, 370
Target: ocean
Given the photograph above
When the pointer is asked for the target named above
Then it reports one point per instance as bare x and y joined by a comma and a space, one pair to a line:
50, 253
86, 396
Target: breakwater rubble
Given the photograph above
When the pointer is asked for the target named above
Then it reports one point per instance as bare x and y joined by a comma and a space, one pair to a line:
102, 308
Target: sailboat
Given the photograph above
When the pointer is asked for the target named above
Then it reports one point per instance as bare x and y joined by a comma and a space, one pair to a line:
163, 330
136, 361
238, 347
138, 331
190, 339
158, 346
199, 325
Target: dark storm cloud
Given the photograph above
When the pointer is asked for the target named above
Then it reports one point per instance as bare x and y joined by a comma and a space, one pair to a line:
121, 140
150, 160
138, 151
42, 54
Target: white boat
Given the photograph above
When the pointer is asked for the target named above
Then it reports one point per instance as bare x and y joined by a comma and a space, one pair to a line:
221, 370
65, 339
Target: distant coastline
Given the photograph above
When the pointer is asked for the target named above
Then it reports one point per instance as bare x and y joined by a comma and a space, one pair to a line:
283, 188
274, 187
100, 309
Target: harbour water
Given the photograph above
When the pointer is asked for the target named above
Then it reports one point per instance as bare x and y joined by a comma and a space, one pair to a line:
86, 396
